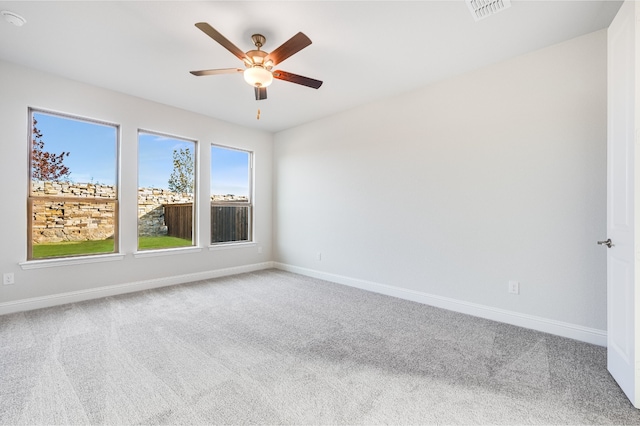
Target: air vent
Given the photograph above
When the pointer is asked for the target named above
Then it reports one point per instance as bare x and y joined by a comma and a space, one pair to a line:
481, 9
13, 18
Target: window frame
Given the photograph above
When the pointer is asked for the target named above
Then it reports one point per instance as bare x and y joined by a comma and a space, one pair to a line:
116, 253
249, 203
194, 204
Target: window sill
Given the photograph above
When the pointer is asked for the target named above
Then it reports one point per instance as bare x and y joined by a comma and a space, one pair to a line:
80, 260
232, 245
166, 252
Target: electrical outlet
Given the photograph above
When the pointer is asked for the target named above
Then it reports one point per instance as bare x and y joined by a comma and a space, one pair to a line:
514, 287
318, 256
259, 249
8, 278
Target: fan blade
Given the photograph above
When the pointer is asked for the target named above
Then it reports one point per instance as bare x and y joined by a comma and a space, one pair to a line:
214, 34
288, 48
216, 72
261, 93
298, 79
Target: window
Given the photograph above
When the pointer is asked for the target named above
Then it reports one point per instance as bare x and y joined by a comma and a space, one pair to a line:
73, 195
166, 188
231, 204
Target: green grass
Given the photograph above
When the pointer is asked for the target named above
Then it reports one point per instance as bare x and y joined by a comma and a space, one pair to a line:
72, 248
76, 248
146, 243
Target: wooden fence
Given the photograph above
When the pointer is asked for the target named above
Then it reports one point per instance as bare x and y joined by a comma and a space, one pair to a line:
179, 220
228, 223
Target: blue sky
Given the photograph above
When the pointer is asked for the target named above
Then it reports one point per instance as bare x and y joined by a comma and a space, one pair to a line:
92, 147
155, 159
229, 171
92, 158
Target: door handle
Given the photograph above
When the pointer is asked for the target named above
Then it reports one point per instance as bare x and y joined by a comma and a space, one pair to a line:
607, 243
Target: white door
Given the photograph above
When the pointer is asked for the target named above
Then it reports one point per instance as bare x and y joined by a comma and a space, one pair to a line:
623, 291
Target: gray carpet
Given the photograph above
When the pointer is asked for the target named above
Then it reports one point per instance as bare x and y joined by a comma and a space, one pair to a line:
277, 348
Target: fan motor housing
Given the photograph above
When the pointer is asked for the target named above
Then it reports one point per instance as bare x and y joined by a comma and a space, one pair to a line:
257, 57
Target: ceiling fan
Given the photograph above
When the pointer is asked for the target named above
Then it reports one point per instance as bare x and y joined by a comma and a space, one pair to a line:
258, 63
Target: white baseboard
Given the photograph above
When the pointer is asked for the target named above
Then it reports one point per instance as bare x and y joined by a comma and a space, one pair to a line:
112, 290
558, 328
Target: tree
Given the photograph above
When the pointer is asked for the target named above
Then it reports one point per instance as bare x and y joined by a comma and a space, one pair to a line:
181, 179
46, 165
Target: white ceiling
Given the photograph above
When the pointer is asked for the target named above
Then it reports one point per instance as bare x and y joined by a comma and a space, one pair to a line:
362, 50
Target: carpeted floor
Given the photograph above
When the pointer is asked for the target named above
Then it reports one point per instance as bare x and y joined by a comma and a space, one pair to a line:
273, 347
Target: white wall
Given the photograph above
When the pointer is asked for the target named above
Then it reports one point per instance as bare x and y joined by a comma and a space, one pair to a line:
452, 191
24, 88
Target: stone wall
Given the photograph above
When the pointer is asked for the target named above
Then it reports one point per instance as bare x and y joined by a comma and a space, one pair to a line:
70, 218
69, 189
151, 210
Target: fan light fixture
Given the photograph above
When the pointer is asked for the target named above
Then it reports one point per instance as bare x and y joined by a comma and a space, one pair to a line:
257, 76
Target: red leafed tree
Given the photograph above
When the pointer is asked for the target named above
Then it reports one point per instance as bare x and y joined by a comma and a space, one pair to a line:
46, 165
